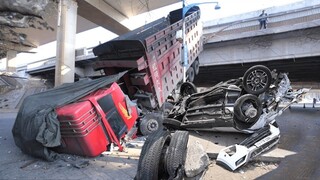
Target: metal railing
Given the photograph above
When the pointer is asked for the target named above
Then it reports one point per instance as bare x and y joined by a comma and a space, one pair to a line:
286, 18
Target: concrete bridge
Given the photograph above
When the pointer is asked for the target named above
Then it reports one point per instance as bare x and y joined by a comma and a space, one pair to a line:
291, 42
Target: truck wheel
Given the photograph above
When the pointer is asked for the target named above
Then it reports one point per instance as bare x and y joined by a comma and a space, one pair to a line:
196, 66
166, 108
151, 122
176, 154
187, 88
247, 109
151, 161
190, 74
257, 79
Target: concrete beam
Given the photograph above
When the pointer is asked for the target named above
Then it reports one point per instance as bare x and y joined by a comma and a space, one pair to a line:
10, 65
278, 46
105, 7
96, 12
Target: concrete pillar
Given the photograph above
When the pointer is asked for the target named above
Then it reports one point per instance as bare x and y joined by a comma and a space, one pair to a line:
66, 34
10, 65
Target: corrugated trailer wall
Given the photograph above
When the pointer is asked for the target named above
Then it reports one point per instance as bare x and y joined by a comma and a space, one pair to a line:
153, 57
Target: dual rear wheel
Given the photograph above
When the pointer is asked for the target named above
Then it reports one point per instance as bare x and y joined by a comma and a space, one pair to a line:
163, 156
193, 70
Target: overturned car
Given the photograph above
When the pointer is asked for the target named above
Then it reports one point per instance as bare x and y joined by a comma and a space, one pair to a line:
248, 104
245, 104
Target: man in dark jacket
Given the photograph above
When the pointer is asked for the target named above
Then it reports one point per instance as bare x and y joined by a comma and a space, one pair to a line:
263, 18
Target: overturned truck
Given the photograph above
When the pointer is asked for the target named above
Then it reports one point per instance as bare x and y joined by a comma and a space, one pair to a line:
249, 104
152, 55
88, 116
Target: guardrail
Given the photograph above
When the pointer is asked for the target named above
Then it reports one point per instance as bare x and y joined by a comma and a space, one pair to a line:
286, 18
50, 62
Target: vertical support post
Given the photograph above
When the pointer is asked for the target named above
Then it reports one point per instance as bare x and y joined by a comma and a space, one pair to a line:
66, 34
10, 65
184, 45
185, 59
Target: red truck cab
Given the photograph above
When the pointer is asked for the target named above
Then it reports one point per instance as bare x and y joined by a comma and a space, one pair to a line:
89, 125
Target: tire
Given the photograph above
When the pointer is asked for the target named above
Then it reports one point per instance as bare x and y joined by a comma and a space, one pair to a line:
187, 88
150, 123
176, 154
191, 74
196, 66
171, 124
240, 125
242, 104
257, 79
151, 161
166, 108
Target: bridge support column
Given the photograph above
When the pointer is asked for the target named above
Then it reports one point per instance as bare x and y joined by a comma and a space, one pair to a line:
10, 65
66, 34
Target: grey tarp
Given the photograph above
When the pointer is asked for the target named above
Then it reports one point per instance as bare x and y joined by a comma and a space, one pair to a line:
36, 128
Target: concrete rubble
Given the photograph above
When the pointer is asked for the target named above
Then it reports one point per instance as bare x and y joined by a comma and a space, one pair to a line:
197, 159
22, 14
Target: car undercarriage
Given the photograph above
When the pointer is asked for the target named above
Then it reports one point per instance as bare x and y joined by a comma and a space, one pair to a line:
246, 104
249, 104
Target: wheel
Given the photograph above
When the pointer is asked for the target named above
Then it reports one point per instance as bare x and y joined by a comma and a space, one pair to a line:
196, 66
190, 74
247, 109
240, 125
151, 122
187, 88
166, 108
176, 154
152, 156
257, 79
171, 124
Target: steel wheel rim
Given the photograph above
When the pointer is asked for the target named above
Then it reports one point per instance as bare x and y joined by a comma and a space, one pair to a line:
152, 125
257, 80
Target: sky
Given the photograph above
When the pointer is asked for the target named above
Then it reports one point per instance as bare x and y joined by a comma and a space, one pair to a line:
228, 8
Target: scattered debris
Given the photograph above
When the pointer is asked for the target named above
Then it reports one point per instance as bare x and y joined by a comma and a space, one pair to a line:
82, 164
197, 159
28, 163
129, 145
106, 153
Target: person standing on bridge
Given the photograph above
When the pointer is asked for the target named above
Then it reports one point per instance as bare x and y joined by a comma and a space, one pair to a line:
263, 18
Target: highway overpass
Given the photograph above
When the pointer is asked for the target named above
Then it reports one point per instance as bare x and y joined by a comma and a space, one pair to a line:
290, 43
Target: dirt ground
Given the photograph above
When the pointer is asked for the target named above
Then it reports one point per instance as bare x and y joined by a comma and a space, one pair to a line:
14, 164
252, 170
297, 156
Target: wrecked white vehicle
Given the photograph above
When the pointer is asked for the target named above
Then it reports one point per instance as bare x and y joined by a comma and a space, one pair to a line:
245, 104
248, 104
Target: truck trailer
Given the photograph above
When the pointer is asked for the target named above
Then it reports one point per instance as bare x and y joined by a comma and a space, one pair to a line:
152, 55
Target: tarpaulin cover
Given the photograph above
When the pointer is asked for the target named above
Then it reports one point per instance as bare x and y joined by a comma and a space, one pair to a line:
36, 129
